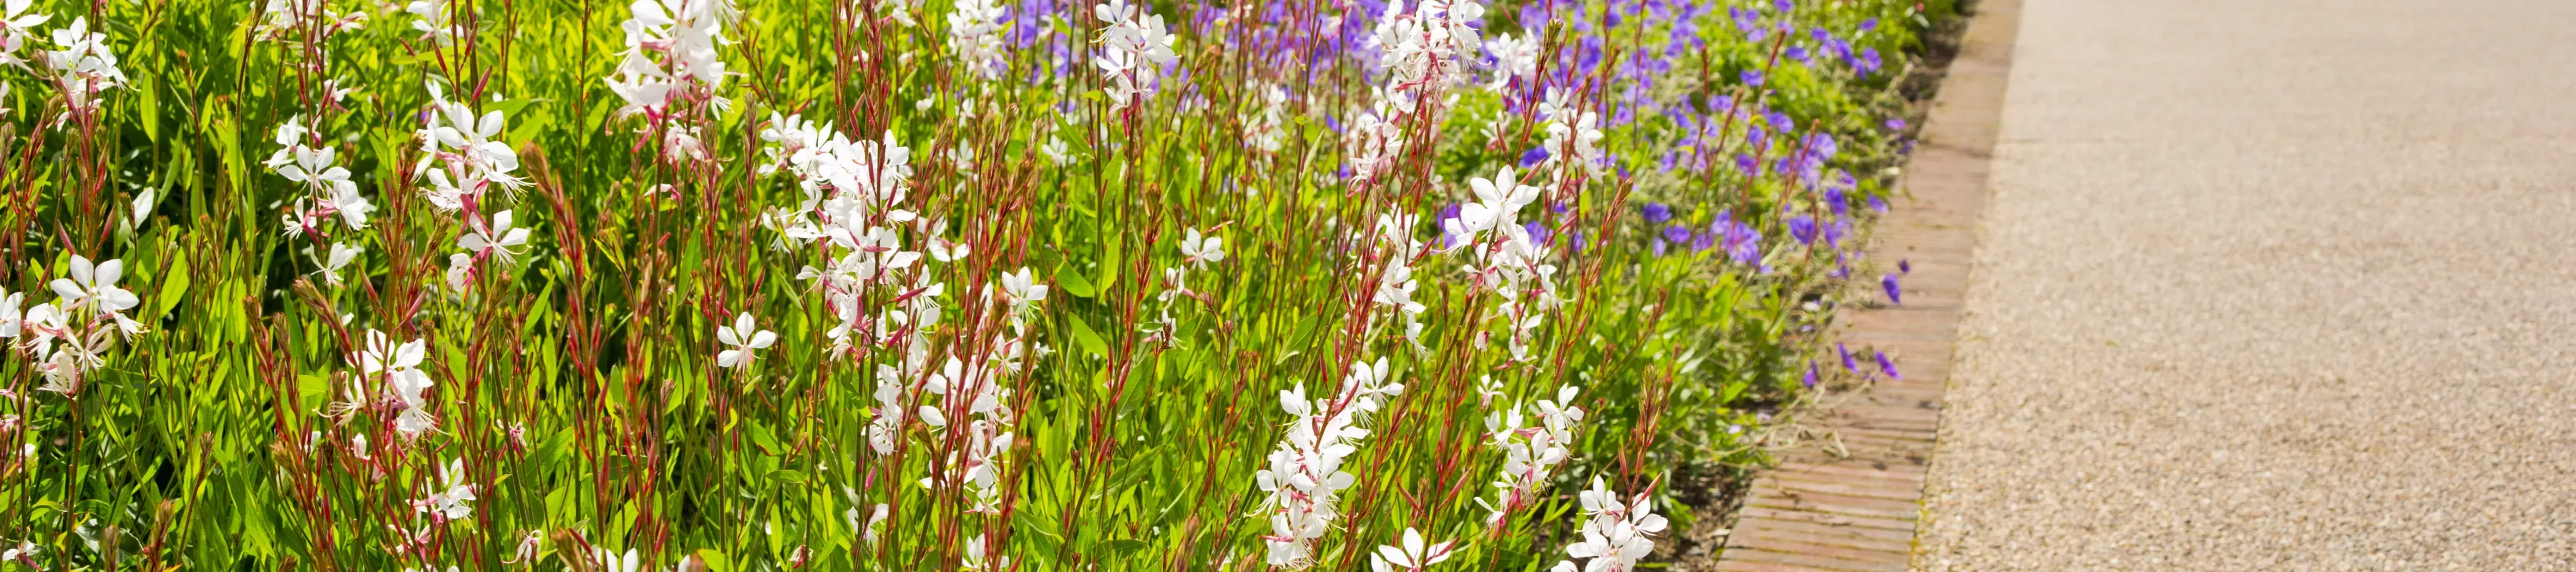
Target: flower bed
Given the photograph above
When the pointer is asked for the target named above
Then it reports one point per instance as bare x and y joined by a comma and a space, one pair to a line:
903, 285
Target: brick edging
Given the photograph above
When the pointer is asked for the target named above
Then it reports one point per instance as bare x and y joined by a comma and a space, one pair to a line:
1855, 508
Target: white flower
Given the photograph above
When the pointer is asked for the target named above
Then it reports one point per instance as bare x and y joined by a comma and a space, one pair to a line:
62, 370
685, 33
496, 240
95, 287
353, 208
1304, 478
611, 562
1615, 535
1202, 249
449, 502
10, 316
44, 324
1135, 46
14, 27
95, 283
975, 38
398, 365
25, 551
341, 254
84, 57
460, 271
432, 22
1055, 151
1577, 141
1023, 290
1412, 556
1498, 204
453, 134
1266, 130
744, 336
981, 557
143, 201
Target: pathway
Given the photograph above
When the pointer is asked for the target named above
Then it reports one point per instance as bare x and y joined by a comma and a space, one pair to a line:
2272, 285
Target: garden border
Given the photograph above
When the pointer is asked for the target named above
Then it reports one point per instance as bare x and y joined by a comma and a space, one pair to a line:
1853, 504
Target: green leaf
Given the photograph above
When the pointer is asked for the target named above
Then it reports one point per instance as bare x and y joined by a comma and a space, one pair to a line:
174, 285
715, 560
1123, 546
1086, 337
1073, 282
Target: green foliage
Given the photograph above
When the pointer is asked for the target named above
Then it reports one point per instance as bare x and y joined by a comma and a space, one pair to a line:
577, 386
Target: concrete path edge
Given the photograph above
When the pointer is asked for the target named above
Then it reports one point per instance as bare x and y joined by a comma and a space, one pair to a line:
1853, 504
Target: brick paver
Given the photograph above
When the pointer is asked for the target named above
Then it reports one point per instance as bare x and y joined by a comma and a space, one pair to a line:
1851, 503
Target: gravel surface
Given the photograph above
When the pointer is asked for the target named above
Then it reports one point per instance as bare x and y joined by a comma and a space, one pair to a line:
2273, 285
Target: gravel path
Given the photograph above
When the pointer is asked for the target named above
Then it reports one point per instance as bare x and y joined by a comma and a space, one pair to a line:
2273, 285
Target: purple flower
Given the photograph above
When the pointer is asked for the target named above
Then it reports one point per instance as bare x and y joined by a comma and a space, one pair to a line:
1878, 204
1676, 233
1904, 266
1784, 5
1803, 228
1798, 53
1538, 232
1657, 213
1810, 380
1887, 366
1869, 24
1746, 21
1887, 282
1753, 77
1742, 243
1835, 232
1896, 124
1849, 364
1835, 199
1534, 156
1574, 238
1702, 241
